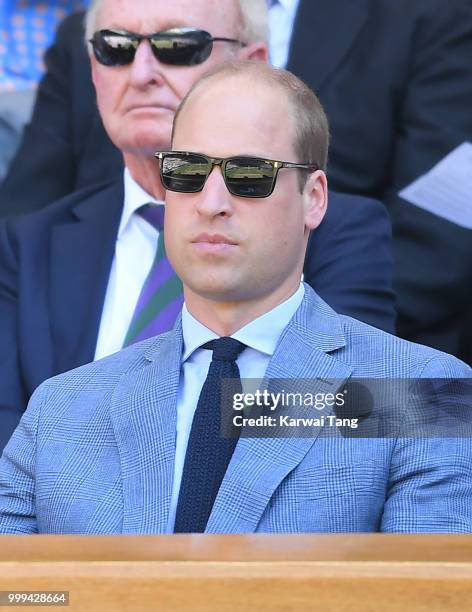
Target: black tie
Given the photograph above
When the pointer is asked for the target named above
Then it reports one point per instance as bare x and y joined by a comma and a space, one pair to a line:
208, 453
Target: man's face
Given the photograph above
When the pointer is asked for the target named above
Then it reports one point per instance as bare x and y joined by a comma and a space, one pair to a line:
267, 236
137, 102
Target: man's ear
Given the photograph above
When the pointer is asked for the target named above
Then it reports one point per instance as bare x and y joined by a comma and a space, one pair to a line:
256, 51
93, 67
315, 199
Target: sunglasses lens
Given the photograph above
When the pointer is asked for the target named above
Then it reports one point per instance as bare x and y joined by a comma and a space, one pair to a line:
114, 49
184, 173
177, 47
246, 177
180, 47
249, 177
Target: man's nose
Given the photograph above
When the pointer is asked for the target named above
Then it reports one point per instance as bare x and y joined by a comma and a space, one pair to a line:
145, 68
215, 199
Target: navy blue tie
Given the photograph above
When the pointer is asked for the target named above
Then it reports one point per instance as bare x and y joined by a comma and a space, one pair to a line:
208, 452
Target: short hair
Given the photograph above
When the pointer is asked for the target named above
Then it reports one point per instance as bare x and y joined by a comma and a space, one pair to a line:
90, 19
310, 124
253, 14
255, 21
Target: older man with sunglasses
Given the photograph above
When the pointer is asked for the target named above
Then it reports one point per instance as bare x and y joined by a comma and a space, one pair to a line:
152, 439
83, 278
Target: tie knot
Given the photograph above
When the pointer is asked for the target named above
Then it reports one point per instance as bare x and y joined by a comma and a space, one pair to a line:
153, 214
225, 348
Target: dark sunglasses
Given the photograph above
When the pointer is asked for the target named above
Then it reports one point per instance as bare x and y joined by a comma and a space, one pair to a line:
178, 46
246, 177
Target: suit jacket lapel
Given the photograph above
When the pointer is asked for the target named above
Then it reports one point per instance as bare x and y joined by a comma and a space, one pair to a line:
324, 32
81, 254
144, 415
258, 466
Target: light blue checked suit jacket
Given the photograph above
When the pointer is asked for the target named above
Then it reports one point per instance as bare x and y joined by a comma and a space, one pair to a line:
94, 452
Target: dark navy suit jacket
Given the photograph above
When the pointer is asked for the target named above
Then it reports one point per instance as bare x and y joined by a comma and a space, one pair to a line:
55, 264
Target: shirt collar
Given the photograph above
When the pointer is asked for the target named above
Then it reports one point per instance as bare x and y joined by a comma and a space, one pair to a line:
262, 334
289, 5
135, 197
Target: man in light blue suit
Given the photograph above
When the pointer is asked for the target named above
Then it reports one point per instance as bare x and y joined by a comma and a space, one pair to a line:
128, 444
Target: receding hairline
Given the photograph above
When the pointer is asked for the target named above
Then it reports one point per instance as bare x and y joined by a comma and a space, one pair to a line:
244, 70
216, 76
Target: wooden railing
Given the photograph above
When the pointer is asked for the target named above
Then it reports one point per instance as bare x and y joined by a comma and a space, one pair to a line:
378, 573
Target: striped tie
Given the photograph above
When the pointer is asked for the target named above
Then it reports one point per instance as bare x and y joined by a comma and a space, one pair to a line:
161, 298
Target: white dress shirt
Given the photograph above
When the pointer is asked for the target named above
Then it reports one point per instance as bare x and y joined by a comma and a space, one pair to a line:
260, 336
135, 249
281, 19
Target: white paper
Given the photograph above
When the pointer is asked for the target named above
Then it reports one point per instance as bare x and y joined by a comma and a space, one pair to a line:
446, 190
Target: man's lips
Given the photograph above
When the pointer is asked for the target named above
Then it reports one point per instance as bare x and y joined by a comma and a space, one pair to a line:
214, 239
214, 243
151, 107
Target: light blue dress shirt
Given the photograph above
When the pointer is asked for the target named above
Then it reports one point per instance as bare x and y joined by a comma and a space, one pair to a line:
281, 19
260, 336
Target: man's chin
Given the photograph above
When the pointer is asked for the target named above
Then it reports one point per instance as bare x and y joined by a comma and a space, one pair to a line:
218, 291
147, 143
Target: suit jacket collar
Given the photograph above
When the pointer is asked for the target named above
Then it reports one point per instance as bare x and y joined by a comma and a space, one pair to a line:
314, 323
81, 254
144, 414
324, 32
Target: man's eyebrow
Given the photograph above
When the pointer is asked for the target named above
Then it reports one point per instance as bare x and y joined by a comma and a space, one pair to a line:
168, 25
172, 23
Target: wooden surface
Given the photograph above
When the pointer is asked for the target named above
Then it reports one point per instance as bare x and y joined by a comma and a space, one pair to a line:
244, 573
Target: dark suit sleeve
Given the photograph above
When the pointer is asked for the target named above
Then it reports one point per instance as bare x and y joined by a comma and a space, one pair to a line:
44, 167
349, 260
12, 396
433, 280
